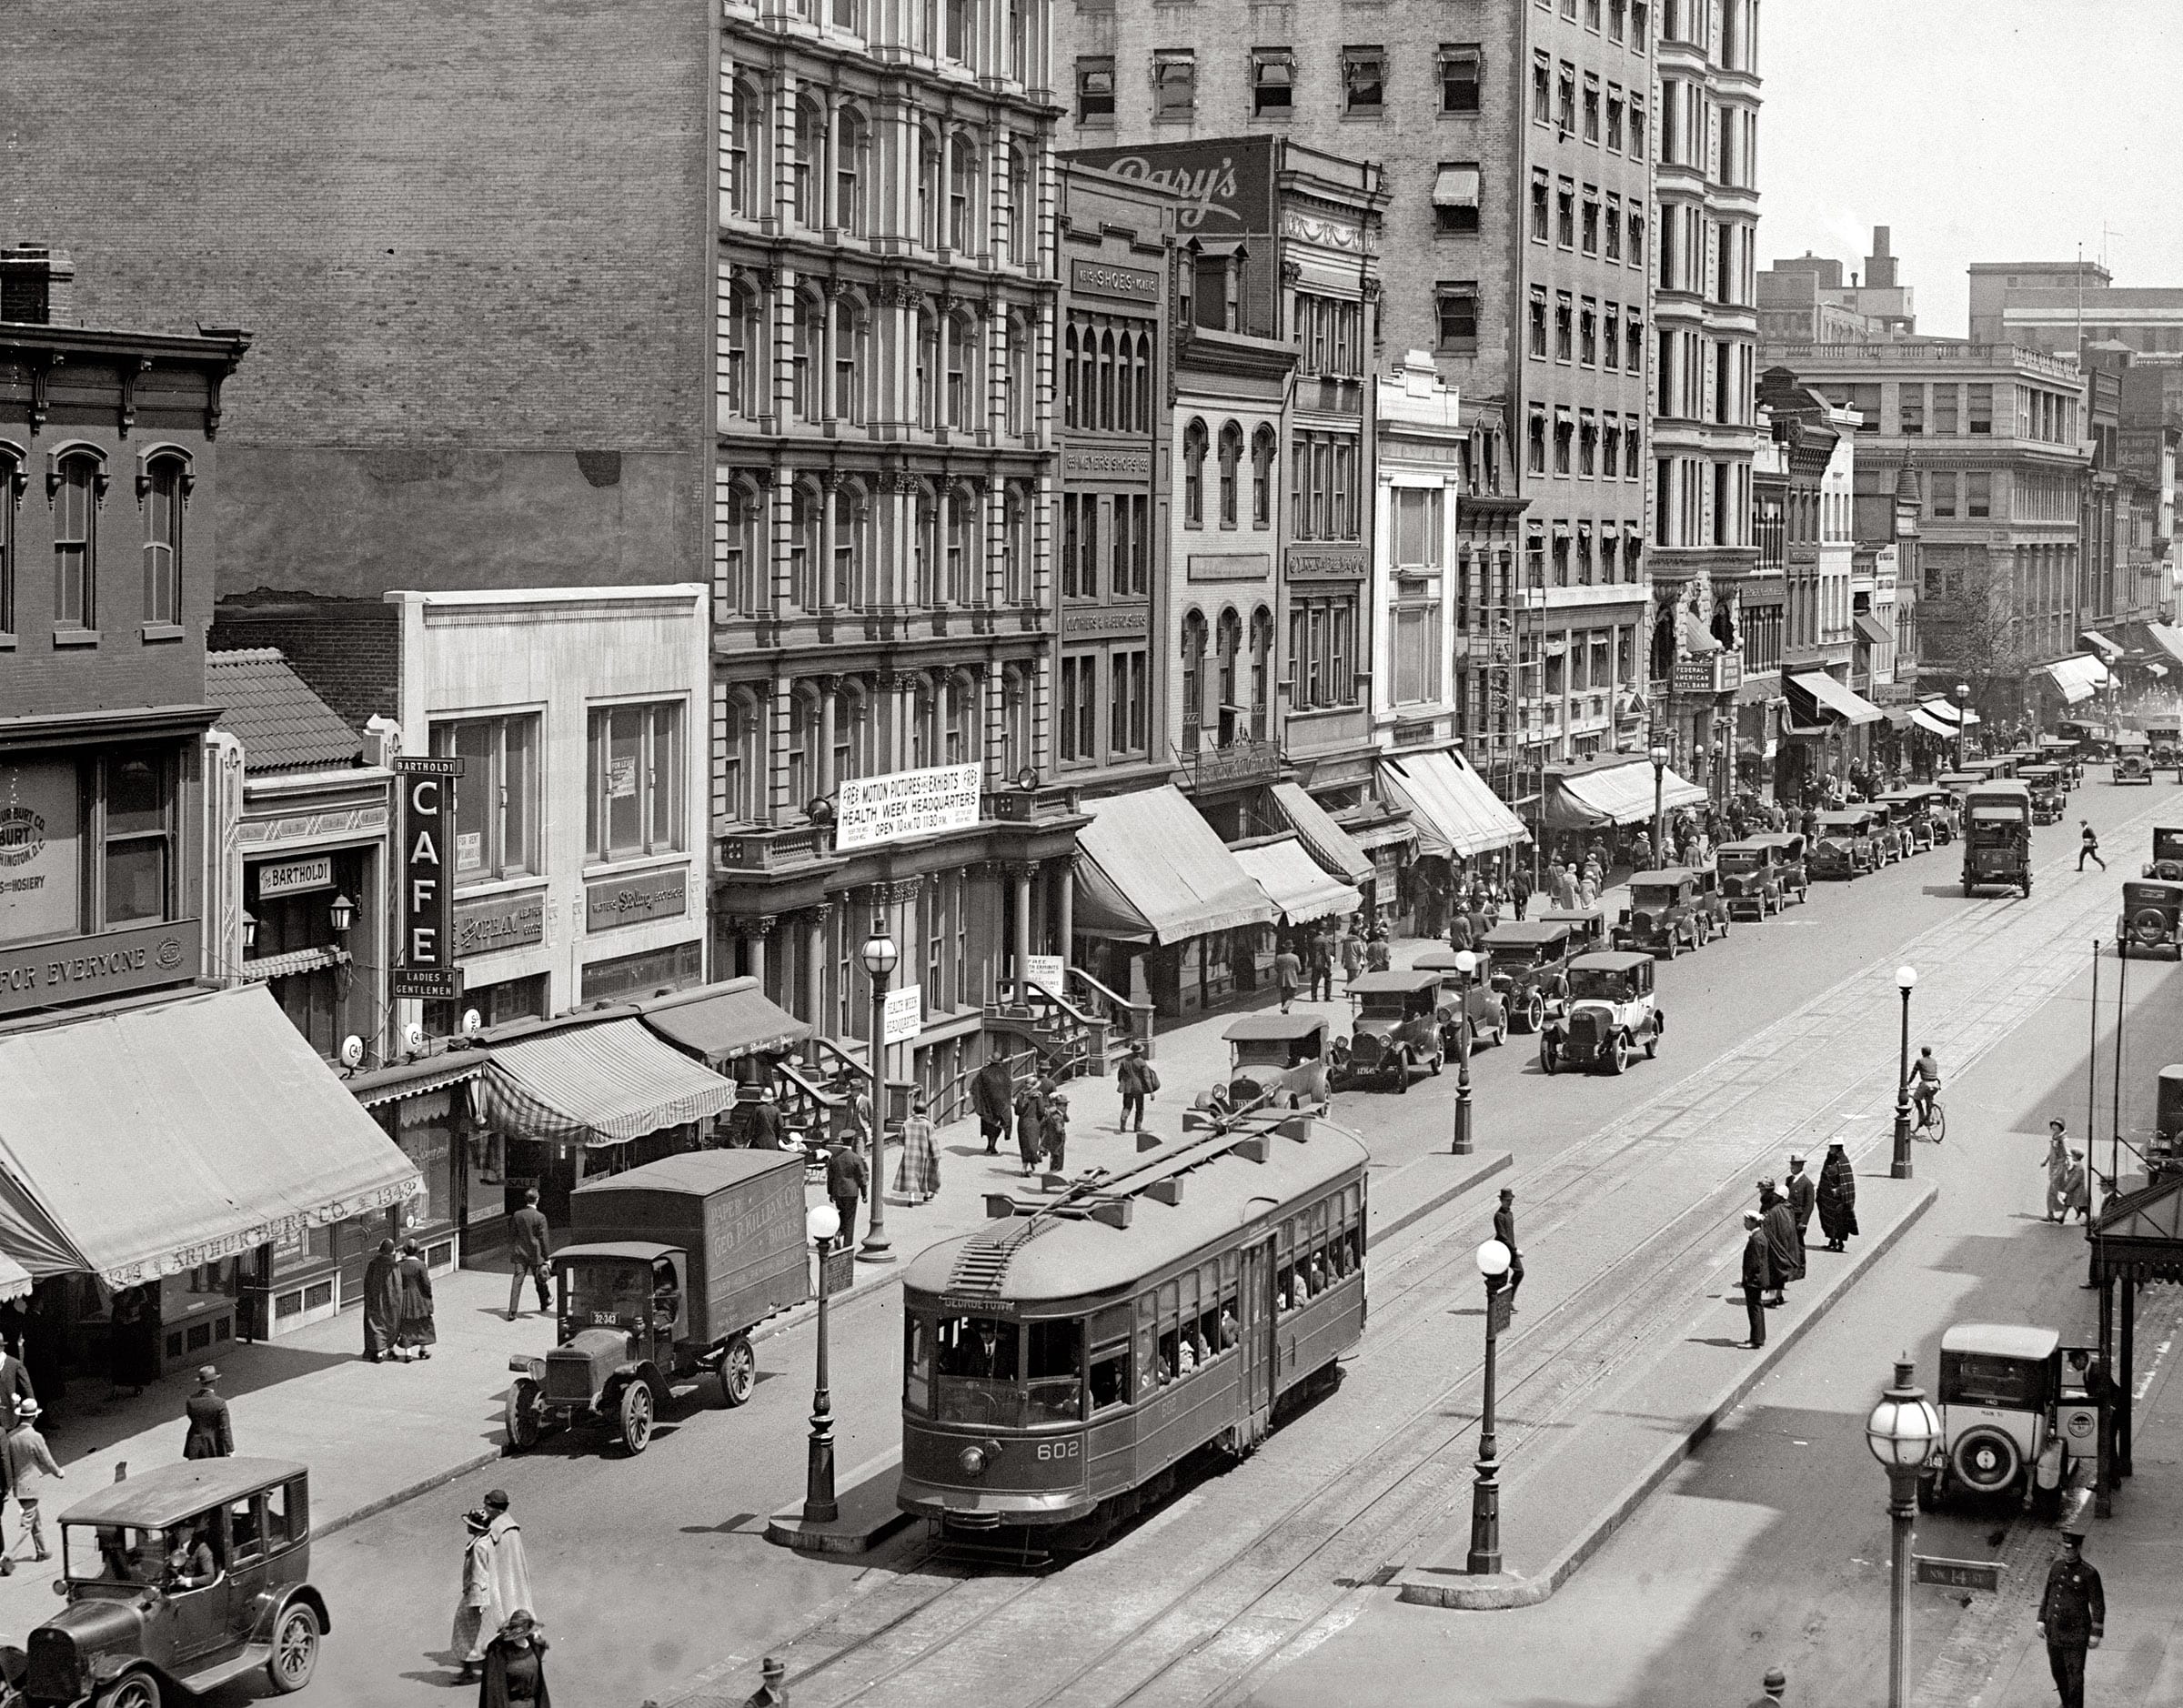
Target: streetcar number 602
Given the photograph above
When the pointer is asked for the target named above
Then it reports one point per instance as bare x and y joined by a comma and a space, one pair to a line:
1060, 1450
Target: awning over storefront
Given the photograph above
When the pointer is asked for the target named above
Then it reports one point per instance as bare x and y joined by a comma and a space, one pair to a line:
1697, 640
1456, 815
2105, 645
1932, 725
1372, 839
2078, 678
415, 1079
1871, 631
1332, 846
1815, 699
2169, 638
598, 1084
1944, 713
723, 1021
1618, 793
1148, 866
149, 1141
1293, 883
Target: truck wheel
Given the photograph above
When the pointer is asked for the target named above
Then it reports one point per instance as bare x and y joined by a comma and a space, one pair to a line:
521, 1415
637, 1412
738, 1371
295, 1655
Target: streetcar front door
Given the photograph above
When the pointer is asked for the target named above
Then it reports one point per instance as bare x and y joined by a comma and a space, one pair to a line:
1259, 1356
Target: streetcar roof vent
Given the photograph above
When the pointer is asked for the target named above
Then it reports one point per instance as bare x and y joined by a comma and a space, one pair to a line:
1167, 1192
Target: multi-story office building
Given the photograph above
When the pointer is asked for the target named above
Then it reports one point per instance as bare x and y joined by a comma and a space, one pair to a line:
1803, 299
1705, 371
1516, 244
1762, 613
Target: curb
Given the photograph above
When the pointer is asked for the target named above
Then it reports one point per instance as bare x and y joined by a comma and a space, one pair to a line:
1507, 1591
1478, 1170
438, 1479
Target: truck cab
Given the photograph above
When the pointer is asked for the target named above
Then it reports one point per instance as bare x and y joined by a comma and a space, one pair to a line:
1996, 838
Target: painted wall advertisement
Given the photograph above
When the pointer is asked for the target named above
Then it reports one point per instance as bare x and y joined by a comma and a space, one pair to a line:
1225, 188
40, 861
427, 967
875, 810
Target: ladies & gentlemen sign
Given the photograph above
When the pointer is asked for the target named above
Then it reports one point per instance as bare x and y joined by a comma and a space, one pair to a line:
875, 810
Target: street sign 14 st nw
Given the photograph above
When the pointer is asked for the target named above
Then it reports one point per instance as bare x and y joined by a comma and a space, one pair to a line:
1960, 1574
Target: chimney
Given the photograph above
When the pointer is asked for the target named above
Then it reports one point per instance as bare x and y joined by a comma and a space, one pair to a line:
36, 285
1879, 265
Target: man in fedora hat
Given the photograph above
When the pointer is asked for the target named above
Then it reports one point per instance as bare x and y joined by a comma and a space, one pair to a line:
210, 1436
1505, 1230
1137, 1079
1757, 1277
29, 1463
2073, 1613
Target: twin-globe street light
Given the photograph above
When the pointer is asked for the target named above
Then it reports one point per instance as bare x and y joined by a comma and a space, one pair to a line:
1901, 1432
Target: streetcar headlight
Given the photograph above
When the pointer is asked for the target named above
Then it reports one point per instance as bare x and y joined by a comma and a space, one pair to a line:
972, 1461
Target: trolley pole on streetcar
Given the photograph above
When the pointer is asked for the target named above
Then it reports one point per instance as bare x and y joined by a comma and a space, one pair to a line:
1493, 1259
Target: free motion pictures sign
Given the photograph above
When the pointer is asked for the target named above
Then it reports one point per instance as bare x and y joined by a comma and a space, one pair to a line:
874, 810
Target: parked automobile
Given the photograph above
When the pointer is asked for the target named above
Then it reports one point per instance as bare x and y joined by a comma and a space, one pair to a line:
1843, 847
1530, 962
2067, 753
1941, 804
143, 1622
2150, 910
1790, 854
1751, 876
1663, 915
2133, 758
1275, 1062
2167, 855
1479, 1004
1612, 1013
1397, 1030
1709, 903
2048, 797
1907, 814
1588, 928
2166, 741
672, 1266
2011, 1417
1996, 838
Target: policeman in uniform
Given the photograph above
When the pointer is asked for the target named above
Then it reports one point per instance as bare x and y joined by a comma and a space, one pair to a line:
2072, 1615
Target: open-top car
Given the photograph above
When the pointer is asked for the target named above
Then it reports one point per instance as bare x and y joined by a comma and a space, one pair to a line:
178, 1580
1843, 845
2067, 751
1275, 1062
2151, 907
1529, 963
2133, 758
1940, 804
1751, 876
1791, 860
1613, 1014
2014, 1413
1662, 917
2167, 855
1397, 1028
1472, 1000
2050, 797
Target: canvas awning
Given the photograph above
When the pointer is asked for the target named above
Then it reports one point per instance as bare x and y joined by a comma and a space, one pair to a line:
1293, 883
598, 1084
1614, 793
1698, 641
722, 1022
1149, 868
1817, 698
1455, 187
1871, 631
1931, 725
1332, 846
2078, 678
146, 1141
1456, 815
1945, 713
2108, 648
415, 1079
2169, 638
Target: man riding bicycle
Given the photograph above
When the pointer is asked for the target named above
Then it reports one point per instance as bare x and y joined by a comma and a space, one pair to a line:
1925, 1083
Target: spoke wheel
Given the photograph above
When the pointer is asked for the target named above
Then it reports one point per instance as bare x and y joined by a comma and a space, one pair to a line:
295, 1650
139, 1690
521, 1415
738, 1371
637, 1415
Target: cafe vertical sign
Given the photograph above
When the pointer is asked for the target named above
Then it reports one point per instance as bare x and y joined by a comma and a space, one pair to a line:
425, 962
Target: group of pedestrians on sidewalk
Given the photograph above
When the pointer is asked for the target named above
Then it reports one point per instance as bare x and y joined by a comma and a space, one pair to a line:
397, 1296
1775, 1233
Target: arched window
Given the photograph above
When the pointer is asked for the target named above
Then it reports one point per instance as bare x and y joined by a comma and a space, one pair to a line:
1018, 377
77, 483
1015, 721
852, 170
742, 748
807, 511
807, 354
925, 548
742, 145
1193, 679
1143, 421
925, 325
853, 367
1087, 384
1263, 455
803, 747
966, 370
966, 202
1232, 460
928, 186
958, 720
1022, 218
743, 555
850, 721
1724, 626
852, 545
925, 725
165, 484
807, 182
1262, 670
1068, 405
1193, 475
1231, 641
743, 356
1015, 543
1106, 422
965, 561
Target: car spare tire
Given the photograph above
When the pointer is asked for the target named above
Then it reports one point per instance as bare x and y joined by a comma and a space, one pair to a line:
1985, 1461
2148, 925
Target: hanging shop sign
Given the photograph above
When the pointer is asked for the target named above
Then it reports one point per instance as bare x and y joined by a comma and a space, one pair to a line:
426, 968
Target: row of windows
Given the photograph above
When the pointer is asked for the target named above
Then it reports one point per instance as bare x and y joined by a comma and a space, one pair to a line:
1590, 221
1330, 335
962, 196
1108, 375
952, 31
1623, 20
1612, 118
1113, 532
117, 810
1975, 497
1707, 379
1585, 332
1325, 492
1717, 259
1195, 443
850, 548
1697, 501
1570, 560
76, 490
841, 364
1127, 702
1323, 652
1230, 710
1589, 444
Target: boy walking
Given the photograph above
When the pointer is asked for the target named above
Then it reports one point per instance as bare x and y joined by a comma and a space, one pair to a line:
29, 1463
2087, 846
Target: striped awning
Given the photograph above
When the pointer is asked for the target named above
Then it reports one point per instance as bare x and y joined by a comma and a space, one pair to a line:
1293, 883
1826, 702
1332, 846
1624, 793
1149, 868
2111, 649
2169, 638
724, 1021
415, 1079
1455, 812
1932, 725
602, 1084
2078, 678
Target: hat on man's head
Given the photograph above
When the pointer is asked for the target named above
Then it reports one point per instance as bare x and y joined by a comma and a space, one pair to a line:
26, 1410
495, 1501
208, 1373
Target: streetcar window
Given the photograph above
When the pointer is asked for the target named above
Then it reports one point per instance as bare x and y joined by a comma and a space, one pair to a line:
977, 1371
1209, 1318
1148, 1358
917, 1365
1109, 1377
1056, 1362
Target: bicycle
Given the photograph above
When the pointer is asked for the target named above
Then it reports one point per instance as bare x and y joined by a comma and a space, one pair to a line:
1932, 1119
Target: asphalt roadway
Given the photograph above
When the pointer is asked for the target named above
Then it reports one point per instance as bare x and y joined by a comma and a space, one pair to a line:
651, 1571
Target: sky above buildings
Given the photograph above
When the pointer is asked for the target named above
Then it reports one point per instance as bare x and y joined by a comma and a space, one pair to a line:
1978, 130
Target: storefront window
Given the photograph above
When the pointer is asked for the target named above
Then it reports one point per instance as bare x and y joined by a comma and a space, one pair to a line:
137, 854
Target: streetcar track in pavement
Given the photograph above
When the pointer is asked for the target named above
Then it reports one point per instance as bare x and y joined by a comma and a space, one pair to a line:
1384, 1504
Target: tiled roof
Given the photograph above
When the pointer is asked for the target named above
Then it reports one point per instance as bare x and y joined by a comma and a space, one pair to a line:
282, 725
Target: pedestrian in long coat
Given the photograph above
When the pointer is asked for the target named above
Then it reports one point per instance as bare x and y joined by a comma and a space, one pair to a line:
1837, 1198
916, 1176
1352, 954
2058, 1171
479, 1610
1802, 1196
1780, 1223
1757, 1276
993, 1096
511, 1566
133, 1340
1055, 1134
1031, 1125
418, 1331
2077, 1188
382, 1301
210, 1435
515, 1665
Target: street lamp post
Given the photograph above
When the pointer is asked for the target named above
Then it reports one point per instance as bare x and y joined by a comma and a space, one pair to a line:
1493, 1259
880, 955
1906, 977
1900, 1432
822, 1222
1659, 759
1962, 717
1466, 964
